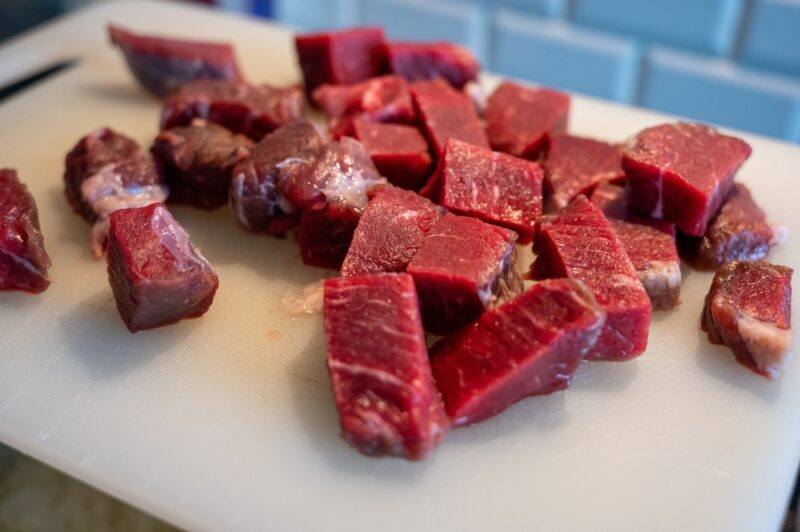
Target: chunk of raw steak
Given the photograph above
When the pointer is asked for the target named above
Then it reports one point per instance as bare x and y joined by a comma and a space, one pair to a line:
749, 309
157, 276
400, 152
253, 110
198, 160
520, 120
579, 243
463, 267
289, 152
379, 368
165, 65
344, 56
446, 113
576, 165
23, 259
390, 232
530, 345
495, 187
417, 61
682, 172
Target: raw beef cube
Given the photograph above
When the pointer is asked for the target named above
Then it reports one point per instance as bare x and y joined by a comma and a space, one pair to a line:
682, 172
157, 276
655, 256
390, 232
23, 259
531, 345
749, 309
198, 160
446, 113
399, 152
579, 243
417, 61
463, 267
739, 231
576, 165
379, 368
520, 120
290, 152
492, 186
251, 110
325, 235
163, 66
344, 56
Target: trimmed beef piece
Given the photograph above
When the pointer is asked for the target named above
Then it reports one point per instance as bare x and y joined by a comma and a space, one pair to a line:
417, 61
520, 120
462, 268
446, 113
379, 368
579, 243
739, 231
749, 309
289, 153
157, 276
531, 345
253, 110
198, 161
399, 152
492, 186
23, 259
107, 171
344, 56
390, 232
576, 165
682, 172
163, 66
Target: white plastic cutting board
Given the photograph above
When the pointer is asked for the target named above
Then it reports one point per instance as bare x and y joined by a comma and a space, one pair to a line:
227, 423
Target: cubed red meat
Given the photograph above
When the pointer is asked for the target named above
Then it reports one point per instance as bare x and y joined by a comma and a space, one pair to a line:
682, 172
749, 309
612, 200
520, 120
23, 259
165, 65
198, 160
463, 267
399, 152
417, 61
157, 276
253, 110
379, 368
579, 243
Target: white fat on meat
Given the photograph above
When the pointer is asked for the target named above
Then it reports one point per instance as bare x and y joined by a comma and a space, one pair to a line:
176, 240
349, 188
779, 234
662, 282
767, 344
477, 94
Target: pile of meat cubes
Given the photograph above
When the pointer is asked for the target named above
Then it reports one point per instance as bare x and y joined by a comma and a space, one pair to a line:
420, 192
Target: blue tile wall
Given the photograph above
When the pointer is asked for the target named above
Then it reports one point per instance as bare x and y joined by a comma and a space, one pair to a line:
423, 19
772, 35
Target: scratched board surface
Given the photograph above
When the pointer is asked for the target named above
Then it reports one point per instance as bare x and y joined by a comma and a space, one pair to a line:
227, 423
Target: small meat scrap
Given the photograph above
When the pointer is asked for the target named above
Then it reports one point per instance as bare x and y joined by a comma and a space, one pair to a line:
463, 267
107, 171
682, 172
446, 113
164, 65
749, 309
157, 276
520, 120
344, 56
390, 232
579, 243
253, 110
198, 160
530, 345
399, 152
288, 153
379, 368
739, 231
576, 165
495, 187
23, 259
417, 61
